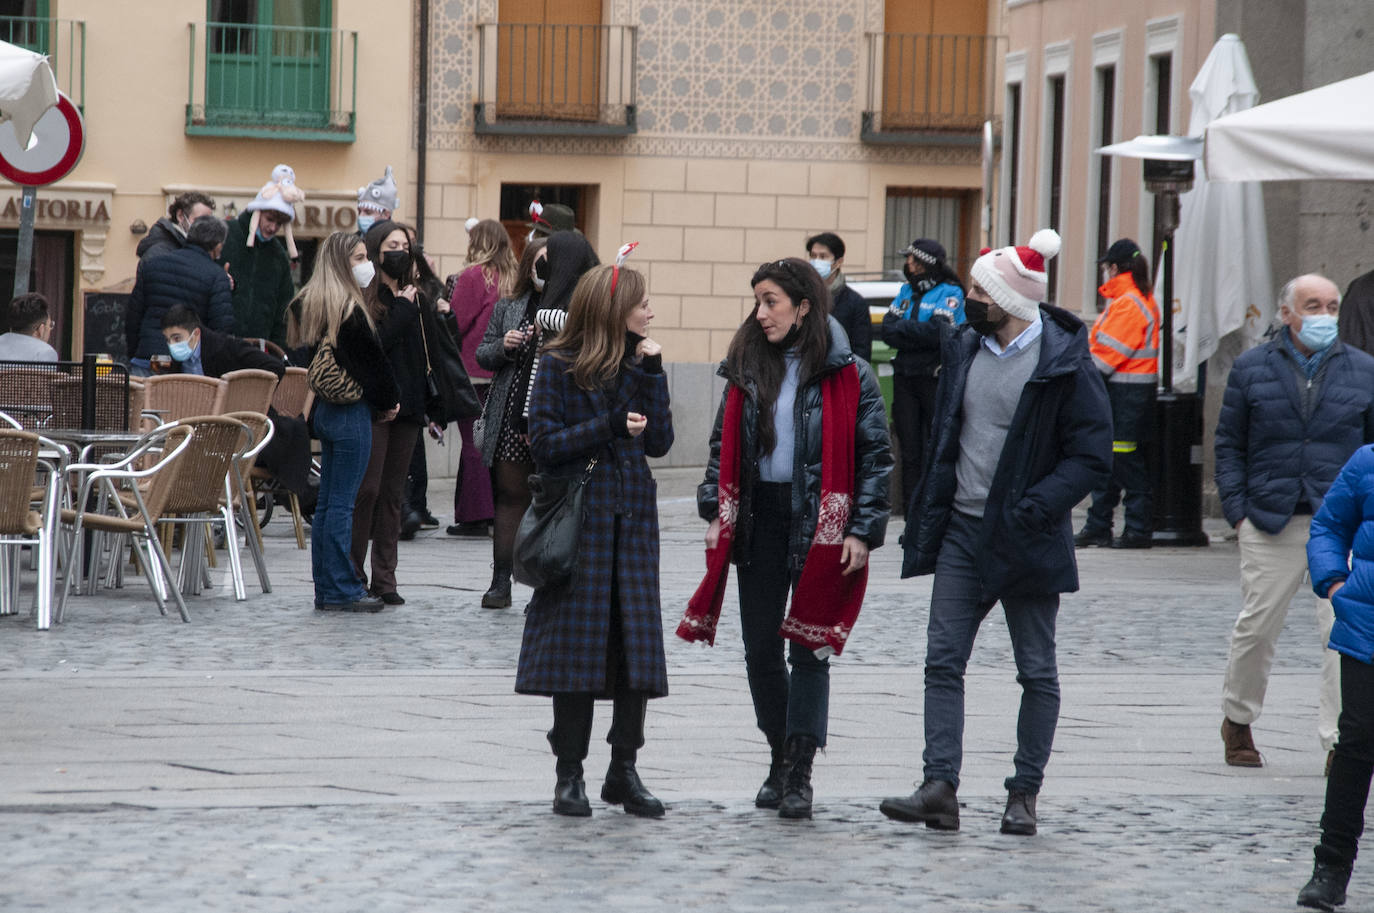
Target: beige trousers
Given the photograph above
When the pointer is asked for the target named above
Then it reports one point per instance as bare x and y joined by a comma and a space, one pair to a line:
1271, 570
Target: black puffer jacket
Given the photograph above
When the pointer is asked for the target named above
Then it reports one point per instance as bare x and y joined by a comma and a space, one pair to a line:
1058, 448
187, 276
164, 237
872, 459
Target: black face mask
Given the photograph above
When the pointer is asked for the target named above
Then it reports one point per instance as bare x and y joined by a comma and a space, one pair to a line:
976, 312
541, 268
396, 264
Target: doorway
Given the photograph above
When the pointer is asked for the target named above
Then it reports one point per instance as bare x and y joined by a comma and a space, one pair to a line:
52, 274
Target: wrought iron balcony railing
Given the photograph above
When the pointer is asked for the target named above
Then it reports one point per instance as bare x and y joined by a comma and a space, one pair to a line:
556, 79
273, 82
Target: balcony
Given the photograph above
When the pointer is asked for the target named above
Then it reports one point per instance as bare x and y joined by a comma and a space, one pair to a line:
271, 82
568, 80
929, 89
63, 40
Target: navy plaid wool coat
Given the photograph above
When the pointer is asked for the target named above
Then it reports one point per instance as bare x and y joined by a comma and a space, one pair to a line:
567, 628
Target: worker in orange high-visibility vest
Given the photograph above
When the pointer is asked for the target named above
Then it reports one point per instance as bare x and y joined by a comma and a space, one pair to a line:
1125, 347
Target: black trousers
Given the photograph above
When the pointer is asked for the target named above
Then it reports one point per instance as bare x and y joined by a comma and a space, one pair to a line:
913, 414
1347, 788
417, 481
571, 735
1133, 407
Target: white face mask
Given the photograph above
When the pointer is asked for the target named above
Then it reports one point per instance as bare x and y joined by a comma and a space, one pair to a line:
822, 267
364, 273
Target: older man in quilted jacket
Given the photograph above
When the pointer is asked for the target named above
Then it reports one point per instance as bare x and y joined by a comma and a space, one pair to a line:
1295, 409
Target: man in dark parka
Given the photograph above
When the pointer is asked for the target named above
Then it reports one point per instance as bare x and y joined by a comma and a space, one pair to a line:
1022, 433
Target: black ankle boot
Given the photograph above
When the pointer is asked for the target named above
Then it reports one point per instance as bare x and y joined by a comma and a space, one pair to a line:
770, 793
570, 793
623, 787
498, 596
796, 793
1326, 890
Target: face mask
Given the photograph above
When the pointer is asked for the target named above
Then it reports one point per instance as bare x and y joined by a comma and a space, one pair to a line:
822, 267
364, 273
541, 273
1318, 331
396, 264
180, 351
976, 312
366, 222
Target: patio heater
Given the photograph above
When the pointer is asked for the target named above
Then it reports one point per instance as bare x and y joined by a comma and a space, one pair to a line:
1177, 469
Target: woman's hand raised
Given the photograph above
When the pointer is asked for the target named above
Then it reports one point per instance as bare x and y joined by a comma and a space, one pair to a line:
648, 348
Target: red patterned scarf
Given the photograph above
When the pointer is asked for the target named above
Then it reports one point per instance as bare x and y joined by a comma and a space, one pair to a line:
825, 602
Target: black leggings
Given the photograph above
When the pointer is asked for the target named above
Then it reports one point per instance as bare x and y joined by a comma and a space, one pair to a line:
511, 487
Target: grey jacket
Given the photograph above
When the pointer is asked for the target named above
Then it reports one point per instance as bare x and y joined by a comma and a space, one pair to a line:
506, 315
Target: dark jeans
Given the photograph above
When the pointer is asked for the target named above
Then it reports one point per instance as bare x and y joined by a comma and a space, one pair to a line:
913, 412
571, 734
377, 513
1133, 408
1347, 788
784, 705
345, 434
958, 606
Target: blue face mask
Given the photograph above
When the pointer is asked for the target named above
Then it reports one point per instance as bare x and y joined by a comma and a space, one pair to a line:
822, 267
365, 222
1318, 331
180, 351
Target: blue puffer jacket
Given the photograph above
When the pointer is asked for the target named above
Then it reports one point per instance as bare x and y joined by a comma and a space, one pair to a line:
1269, 458
187, 276
1345, 524
1058, 449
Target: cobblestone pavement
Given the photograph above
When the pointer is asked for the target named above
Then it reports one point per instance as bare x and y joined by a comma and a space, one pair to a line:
265, 757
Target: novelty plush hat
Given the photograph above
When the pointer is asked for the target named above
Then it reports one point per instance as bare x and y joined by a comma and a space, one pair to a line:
1015, 277
279, 195
545, 220
380, 196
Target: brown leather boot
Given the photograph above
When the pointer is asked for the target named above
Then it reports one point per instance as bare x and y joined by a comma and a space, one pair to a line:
1240, 748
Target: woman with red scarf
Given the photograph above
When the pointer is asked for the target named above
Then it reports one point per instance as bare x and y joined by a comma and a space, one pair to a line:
796, 494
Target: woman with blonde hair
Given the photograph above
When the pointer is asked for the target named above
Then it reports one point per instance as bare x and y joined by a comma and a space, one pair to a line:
599, 405
330, 309
488, 276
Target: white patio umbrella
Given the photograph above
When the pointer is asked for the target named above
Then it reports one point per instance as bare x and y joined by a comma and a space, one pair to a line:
1324, 133
1223, 286
27, 89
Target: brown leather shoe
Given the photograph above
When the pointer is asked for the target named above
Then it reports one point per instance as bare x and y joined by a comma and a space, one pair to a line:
1240, 748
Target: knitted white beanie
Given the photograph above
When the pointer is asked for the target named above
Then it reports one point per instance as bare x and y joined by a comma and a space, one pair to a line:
1015, 277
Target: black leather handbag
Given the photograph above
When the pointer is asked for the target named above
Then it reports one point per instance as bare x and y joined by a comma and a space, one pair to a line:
546, 541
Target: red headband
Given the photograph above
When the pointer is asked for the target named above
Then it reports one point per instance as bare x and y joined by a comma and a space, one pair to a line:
620, 256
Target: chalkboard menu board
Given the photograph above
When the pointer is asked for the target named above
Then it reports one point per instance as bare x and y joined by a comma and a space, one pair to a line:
104, 326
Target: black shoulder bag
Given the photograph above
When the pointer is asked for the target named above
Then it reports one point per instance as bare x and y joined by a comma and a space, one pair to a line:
546, 541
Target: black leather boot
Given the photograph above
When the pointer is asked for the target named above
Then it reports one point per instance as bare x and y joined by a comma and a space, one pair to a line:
796, 792
934, 802
570, 792
1019, 818
498, 596
623, 787
1326, 890
770, 793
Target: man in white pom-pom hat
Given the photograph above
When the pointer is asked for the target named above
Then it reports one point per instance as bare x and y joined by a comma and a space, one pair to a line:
1022, 433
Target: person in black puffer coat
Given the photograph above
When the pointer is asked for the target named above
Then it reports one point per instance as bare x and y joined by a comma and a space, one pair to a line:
169, 232
188, 277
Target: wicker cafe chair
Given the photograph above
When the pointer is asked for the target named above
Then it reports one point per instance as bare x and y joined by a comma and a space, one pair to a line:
111, 402
21, 525
289, 397
179, 396
99, 507
248, 390
26, 394
201, 496
260, 431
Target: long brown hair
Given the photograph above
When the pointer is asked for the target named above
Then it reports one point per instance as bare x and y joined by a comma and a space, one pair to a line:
489, 247
331, 295
753, 360
593, 339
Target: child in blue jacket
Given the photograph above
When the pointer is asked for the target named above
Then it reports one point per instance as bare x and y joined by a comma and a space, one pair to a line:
1340, 560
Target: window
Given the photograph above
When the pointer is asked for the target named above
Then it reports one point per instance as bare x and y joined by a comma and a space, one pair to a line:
25, 23
272, 65
1012, 149
937, 62
549, 59
1106, 105
1055, 198
1161, 97
920, 212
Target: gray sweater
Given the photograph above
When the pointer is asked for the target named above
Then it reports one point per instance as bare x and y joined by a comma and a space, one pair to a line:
990, 397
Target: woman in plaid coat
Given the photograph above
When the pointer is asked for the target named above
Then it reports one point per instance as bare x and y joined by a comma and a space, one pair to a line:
600, 392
